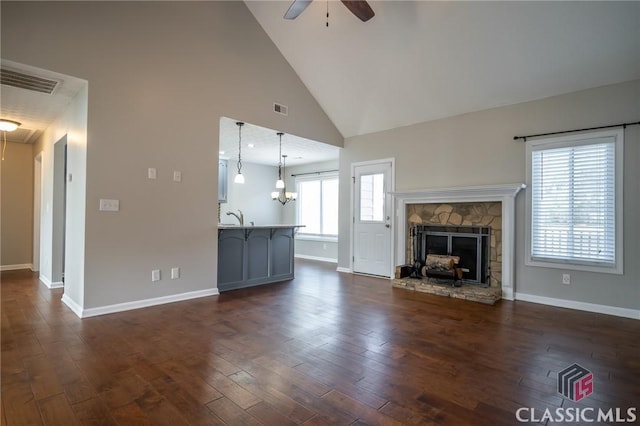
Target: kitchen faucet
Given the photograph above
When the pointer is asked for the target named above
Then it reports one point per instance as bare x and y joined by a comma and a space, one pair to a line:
239, 217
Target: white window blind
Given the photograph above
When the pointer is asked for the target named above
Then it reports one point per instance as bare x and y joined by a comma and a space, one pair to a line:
573, 202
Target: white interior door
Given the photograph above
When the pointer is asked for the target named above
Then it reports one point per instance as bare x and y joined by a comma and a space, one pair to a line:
372, 219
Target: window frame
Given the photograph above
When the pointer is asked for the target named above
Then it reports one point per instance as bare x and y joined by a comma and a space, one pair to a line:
574, 140
301, 235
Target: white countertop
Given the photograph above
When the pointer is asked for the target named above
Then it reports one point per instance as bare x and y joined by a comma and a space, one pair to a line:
230, 226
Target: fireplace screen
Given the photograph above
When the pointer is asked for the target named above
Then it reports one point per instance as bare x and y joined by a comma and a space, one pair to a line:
468, 243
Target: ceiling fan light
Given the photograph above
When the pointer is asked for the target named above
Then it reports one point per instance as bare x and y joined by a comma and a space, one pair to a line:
8, 125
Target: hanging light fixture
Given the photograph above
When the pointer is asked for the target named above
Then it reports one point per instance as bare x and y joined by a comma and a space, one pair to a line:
280, 182
7, 126
282, 196
239, 177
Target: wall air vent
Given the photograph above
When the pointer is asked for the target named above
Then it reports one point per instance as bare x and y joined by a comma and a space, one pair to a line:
28, 82
280, 109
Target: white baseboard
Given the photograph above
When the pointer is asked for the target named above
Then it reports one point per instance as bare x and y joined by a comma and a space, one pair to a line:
582, 306
346, 270
507, 293
50, 284
15, 267
46, 281
71, 304
319, 259
127, 306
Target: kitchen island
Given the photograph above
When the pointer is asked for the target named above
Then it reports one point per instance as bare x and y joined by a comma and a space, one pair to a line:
254, 255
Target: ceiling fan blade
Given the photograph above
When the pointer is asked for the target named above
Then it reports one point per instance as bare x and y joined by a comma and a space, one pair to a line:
296, 8
360, 8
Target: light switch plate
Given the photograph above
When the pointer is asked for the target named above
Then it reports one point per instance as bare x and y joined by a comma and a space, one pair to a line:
151, 173
175, 273
109, 205
177, 176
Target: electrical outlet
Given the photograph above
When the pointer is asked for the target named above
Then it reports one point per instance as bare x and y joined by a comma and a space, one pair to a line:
566, 279
155, 275
177, 176
175, 273
152, 173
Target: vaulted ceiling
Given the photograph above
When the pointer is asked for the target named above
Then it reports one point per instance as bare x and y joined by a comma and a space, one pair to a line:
417, 61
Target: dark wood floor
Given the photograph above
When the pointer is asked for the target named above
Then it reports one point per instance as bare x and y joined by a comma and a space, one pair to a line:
323, 349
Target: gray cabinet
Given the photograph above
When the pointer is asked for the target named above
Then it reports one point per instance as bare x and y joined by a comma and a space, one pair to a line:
254, 255
231, 256
282, 253
258, 253
222, 180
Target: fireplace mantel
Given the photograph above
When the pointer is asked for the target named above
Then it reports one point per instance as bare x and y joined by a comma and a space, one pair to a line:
505, 194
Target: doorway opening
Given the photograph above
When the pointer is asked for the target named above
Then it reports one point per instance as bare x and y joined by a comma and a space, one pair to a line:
59, 210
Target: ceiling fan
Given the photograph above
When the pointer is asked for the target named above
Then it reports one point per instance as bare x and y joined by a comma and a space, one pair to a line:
360, 8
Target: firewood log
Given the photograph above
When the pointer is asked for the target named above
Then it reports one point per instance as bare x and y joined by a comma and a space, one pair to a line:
438, 262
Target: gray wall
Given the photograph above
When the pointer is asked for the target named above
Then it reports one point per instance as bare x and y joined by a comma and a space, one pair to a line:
160, 76
478, 149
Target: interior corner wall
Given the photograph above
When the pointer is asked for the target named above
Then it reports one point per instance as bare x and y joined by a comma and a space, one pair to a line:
478, 149
161, 74
16, 207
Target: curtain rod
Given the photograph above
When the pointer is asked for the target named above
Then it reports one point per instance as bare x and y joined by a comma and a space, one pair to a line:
623, 125
314, 173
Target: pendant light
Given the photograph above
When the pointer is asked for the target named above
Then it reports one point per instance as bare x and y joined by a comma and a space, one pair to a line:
239, 177
280, 182
282, 196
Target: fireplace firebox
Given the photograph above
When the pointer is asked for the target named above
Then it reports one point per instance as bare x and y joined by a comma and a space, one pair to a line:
471, 244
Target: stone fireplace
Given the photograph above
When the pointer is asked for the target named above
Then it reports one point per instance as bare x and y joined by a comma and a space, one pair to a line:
474, 224
471, 231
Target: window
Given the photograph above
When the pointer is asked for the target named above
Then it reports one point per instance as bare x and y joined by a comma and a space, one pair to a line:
318, 206
575, 202
372, 198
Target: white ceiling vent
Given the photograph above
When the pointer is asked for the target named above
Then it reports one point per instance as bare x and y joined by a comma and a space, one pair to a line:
281, 109
28, 82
